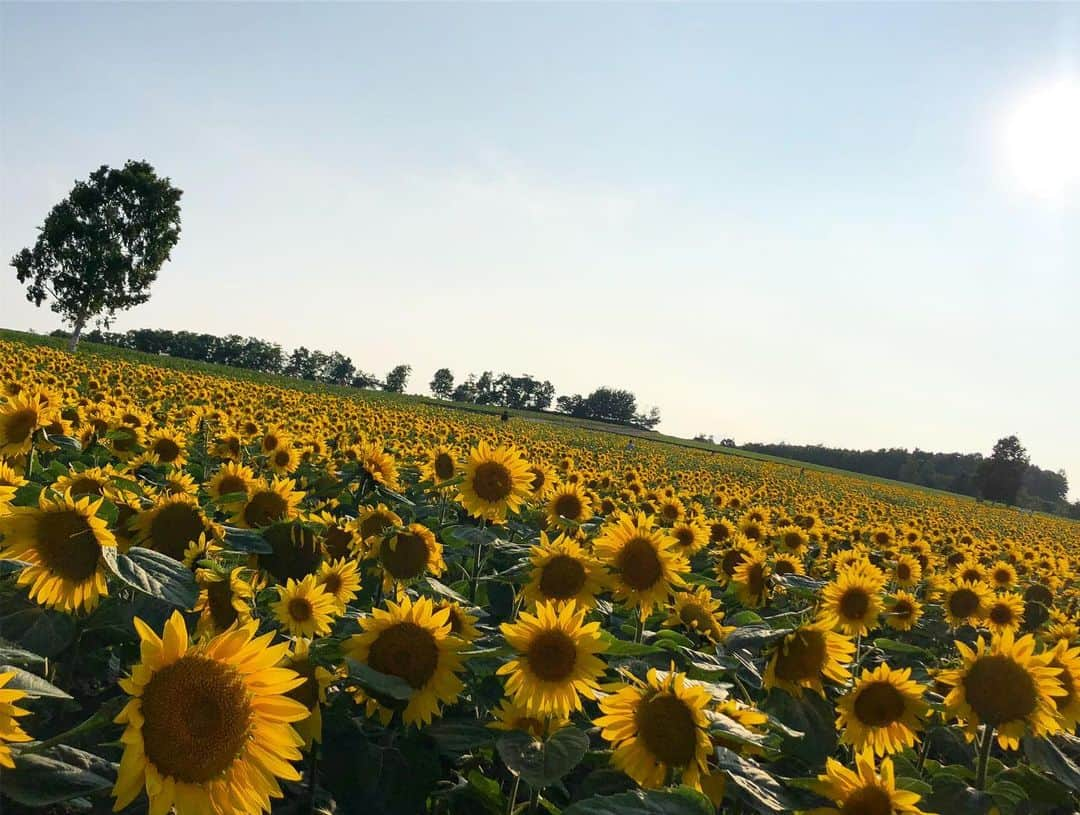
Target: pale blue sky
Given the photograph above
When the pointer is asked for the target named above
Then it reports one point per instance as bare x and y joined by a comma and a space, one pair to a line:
777, 222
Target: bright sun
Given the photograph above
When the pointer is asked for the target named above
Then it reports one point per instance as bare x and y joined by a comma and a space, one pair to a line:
1042, 140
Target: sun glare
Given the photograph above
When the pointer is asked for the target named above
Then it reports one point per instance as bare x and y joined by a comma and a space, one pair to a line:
1042, 140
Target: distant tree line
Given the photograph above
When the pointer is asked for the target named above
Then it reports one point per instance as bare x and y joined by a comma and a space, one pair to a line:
252, 354
1006, 475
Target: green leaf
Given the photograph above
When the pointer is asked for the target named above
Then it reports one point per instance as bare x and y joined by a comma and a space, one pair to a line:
445, 591
1045, 755
810, 715
246, 540
154, 574
67, 442
754, 637
40, 630
755, 786
952, 794
457, 737
1007, 794
542, 763
680, 801
12, 655
40, 780
730, 731
379, 684
27, 495
622, 648
799, 583
744, 617
897, 647
33, 684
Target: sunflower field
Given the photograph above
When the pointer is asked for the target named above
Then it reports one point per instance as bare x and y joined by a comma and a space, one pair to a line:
222, 596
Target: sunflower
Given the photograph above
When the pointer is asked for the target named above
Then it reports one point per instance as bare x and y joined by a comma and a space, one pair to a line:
1002, 575
497, 481
542, 479
231, 484
852, 602
792, 539
563, 571
1068, 706
341, 580
462, 623
224, 599
125, 442
61, 541
311, 693
440, 465
907, 572
751, 580
408, 554
283, 460
696, 610
556, 663
645, 561
1005, 612
568, 507
966, 603
168, 446
1004, 685
10, 731
510, 716
411, 641
373, 521
787, 564
171, 525
807, 655
378, 465
670, 509
657, 726
864, 791
93, 481
739, 548
10, 481
269, 502
691, 535
20, 416
208, 726
902, 611
882, 712
305, 608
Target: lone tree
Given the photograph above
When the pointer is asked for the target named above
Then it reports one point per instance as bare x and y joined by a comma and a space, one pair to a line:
1000, 476
442, 383
397, 379
102, 246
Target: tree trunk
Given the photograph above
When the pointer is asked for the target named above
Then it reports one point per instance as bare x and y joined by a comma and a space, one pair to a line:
73, 343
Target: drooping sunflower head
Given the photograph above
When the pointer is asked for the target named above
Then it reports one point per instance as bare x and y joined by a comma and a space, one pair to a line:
645, 562
1005, 685
556, 663
411, 641
882, 712
378, 465
207, 727
497, 481
568, 507
511, 716
61, 540
657, 726
806, 656
698, 611
563, 572
224, 599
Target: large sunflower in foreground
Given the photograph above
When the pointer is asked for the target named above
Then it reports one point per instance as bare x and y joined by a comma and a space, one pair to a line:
882, 712
1005, 685
556, 663
22, 414
645, 562
865, 791
497, 480
658, 726
807, 655
10, 731
563, 571
411, 641
208, 726
61, 541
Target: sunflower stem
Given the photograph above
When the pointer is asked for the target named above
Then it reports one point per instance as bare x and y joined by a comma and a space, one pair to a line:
474, 578
924, 749
639, 627
513, 795
313, 779
984, 756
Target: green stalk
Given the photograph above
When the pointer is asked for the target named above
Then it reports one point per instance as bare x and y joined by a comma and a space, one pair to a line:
984, 756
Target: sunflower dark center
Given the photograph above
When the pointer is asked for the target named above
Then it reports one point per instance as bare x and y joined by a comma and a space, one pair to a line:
685, 536
963, 603
173, 528
538, 479
264, 508
871, 800
731, 560
300, 609
167, 450
405, 556
232, 484
492, 481
374, 524
783, 566
19, 425
999, 689
67, 546
196, 719
444, 467
407, 651
694, 616
219, 601
666, 726
552, 656
718, 532
1001, 614
854, 603
568, 506
903, 571
282, 458
86, 486
562, 577
879, 704
802, 657
640, 565
337, 542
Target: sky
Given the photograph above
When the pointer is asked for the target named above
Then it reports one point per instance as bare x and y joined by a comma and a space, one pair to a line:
801, 223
